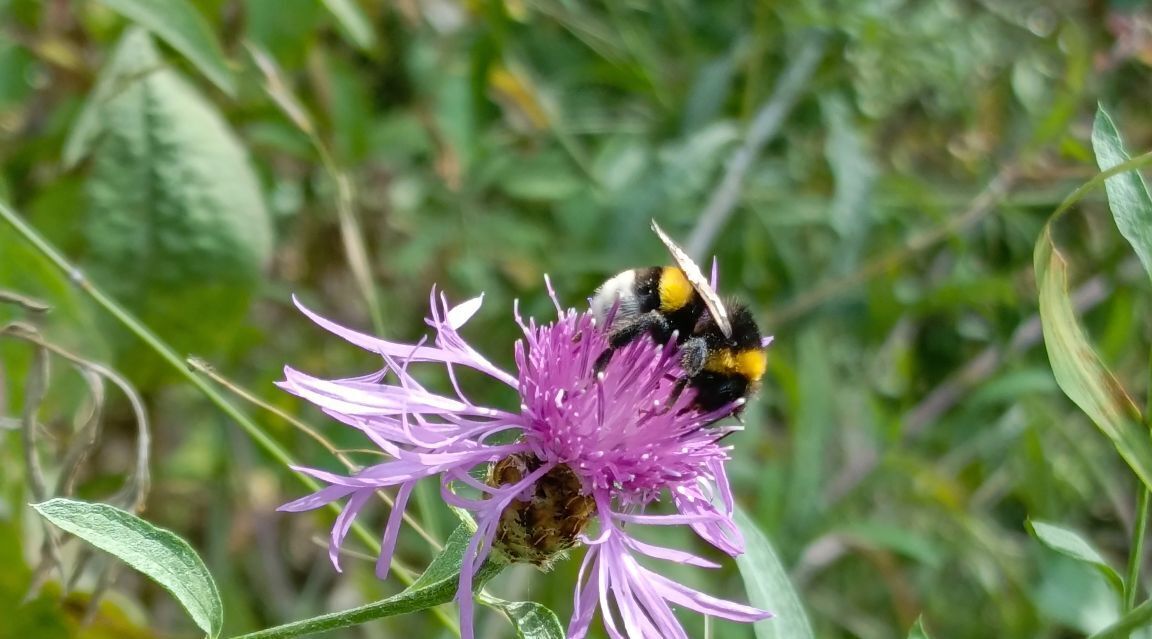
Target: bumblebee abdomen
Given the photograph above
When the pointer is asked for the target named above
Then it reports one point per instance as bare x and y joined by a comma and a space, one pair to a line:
714, 390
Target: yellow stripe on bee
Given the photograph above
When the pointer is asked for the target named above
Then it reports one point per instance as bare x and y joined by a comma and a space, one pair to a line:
748, 363
675, 289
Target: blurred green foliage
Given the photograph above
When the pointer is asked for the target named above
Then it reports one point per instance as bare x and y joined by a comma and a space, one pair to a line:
910, 424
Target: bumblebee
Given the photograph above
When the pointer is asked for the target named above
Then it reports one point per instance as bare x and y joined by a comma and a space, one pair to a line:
721, 350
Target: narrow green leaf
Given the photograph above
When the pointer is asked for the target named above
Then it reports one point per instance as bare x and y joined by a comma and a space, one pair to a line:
436, 586
446, 565
1071, 544
1127, 193
917, 631
181, 26
352, 22
1078, 369
1139, 617
161, 555
530, 619
768, 586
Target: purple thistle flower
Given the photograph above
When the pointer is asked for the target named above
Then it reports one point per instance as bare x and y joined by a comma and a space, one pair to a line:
580, 446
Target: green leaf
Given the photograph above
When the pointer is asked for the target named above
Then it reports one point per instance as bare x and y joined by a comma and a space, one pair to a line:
436, 586
164, 557
1078, 369
917, 631
1070, 544
446, 565
530, 619
181, 26
1068, 593
352, 22
768, 586
176, 217
1139, 617
1127, 193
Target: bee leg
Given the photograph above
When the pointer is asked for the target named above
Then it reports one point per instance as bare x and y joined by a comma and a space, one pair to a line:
674, 395
651, 322
693, 355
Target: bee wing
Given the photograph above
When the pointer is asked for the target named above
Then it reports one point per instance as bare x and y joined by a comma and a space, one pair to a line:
696, 278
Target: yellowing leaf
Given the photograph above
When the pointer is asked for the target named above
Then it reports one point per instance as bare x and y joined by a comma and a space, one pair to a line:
1078, 369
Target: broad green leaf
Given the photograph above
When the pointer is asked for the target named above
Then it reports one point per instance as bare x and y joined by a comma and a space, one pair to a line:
446, 565
352, 22
768, 586
161, 555
1070, 544
530, 619
1124, 627
179, 24
917, 631
436, 586
1077, 367
177, 221
1127, 193
1068, 593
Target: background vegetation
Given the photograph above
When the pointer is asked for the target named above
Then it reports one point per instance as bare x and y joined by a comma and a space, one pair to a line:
873, 176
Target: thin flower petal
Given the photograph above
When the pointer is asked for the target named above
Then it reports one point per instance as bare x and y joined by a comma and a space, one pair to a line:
424, 354
388, 543
322, 497
668, 554
461, 313
343, 523
706, 604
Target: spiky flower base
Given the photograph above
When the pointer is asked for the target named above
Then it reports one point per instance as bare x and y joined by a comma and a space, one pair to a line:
542, 527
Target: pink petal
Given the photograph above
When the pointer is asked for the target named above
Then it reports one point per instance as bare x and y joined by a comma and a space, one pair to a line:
461, 313
322, 497
388, 543
668, 554
706, 604
343, 523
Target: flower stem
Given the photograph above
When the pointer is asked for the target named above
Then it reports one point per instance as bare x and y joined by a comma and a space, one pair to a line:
1140, 526
1136, 551
439, 592
168, 354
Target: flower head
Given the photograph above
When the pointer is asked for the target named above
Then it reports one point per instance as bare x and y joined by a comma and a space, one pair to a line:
581, 446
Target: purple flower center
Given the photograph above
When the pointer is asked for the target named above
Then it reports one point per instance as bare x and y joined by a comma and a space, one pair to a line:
616, 430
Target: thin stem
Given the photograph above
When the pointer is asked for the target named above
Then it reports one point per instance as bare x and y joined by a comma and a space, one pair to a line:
203, 367
351, 232
1140, 527
1136, 551
169, 355
434, 594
